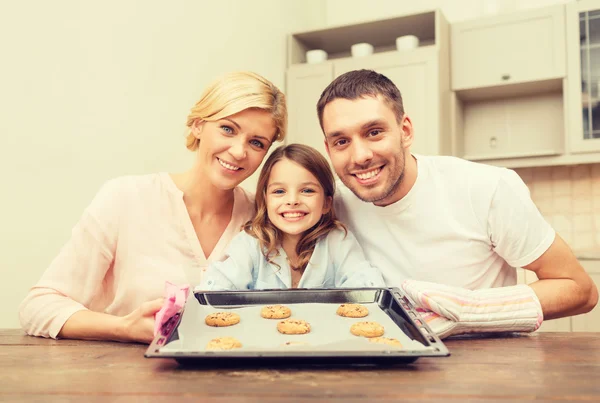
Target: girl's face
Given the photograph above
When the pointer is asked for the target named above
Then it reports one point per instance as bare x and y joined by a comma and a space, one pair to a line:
232, 148
295, 199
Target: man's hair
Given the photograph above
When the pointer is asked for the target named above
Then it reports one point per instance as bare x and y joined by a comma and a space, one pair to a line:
360, 84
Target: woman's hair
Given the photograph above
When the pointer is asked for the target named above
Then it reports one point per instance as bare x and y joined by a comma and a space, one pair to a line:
233, 93
269, 236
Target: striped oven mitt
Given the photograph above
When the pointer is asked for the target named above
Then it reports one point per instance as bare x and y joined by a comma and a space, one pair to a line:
452, 310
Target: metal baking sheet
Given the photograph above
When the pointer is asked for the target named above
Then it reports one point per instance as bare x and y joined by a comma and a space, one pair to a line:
186, 335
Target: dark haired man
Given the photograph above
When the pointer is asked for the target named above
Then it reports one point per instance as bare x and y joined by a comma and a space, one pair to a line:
459, 228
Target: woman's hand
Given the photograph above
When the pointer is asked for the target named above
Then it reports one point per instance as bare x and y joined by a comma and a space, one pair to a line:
138, 326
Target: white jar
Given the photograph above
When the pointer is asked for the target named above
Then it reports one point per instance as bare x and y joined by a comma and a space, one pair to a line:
407, 42
316, 56
361, 49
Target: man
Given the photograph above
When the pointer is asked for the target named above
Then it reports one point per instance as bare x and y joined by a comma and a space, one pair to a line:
444, 220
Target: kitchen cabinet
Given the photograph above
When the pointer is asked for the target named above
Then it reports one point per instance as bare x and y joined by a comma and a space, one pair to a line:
583, 35
305, 83
509, 48
509, 82
515, 127
421, 74
577, 140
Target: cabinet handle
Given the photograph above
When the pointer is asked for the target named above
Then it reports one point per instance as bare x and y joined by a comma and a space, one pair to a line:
505, 77
493, 141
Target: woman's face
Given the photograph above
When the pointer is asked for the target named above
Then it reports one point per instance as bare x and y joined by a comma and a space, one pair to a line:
232, 148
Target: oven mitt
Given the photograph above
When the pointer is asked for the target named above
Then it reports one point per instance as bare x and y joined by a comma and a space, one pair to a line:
452, 310
175, 297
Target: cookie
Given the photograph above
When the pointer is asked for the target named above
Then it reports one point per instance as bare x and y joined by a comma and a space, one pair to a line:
220, 319
275, 312
352, 311
223, 343
385, 340
367, 329
293, 326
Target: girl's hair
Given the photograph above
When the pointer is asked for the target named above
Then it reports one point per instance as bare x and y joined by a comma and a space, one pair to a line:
233, 93
269, 236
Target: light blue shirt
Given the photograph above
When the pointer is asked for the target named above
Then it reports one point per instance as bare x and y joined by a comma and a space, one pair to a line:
337, 261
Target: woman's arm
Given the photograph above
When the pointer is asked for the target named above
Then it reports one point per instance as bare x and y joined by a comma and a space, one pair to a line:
138, 326
56, 305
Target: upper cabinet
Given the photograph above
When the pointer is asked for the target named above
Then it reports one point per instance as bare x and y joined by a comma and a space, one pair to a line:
506, 49
508, 81
583, 35
305, 83
422, 75
523, 88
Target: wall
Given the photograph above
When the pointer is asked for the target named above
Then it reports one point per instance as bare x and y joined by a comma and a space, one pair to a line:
93, 90
341, 12
569, 198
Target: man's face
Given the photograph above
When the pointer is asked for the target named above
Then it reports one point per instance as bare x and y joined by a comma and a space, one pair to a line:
367, 145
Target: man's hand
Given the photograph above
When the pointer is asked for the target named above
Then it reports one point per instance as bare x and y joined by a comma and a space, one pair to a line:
441, 326
452, 310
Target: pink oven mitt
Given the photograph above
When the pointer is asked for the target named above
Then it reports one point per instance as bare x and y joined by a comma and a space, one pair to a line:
175, 297
452, 310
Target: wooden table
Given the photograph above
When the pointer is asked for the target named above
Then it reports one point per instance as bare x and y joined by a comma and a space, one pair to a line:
544, 366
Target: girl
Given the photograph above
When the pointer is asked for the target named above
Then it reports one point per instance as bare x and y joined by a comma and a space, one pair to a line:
295, 240
141, 231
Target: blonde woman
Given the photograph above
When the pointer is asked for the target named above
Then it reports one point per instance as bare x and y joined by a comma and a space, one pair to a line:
140, 231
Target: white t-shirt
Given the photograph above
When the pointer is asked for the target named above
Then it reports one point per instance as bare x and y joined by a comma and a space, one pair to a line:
463, 224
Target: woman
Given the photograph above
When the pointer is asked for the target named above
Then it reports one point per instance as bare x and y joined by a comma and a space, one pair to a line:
141, 231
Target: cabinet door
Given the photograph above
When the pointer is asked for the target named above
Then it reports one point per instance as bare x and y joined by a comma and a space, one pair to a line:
583, 67
415, 75
305, 83
514, 127
506, 49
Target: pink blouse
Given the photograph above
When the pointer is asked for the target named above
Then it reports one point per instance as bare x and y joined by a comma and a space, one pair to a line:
135, 235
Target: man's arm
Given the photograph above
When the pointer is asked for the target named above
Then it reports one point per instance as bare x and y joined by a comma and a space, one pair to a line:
563, 288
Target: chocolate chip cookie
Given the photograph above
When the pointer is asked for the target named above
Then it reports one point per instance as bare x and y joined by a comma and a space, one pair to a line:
275, 312
385, 340
220, 319
223, 343
352, 311
367, 329
293, 326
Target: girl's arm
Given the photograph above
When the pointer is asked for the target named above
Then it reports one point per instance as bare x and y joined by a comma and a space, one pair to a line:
57, 305
236, 272
353, 270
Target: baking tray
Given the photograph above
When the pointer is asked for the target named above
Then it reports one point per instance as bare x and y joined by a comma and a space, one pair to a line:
330, 342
